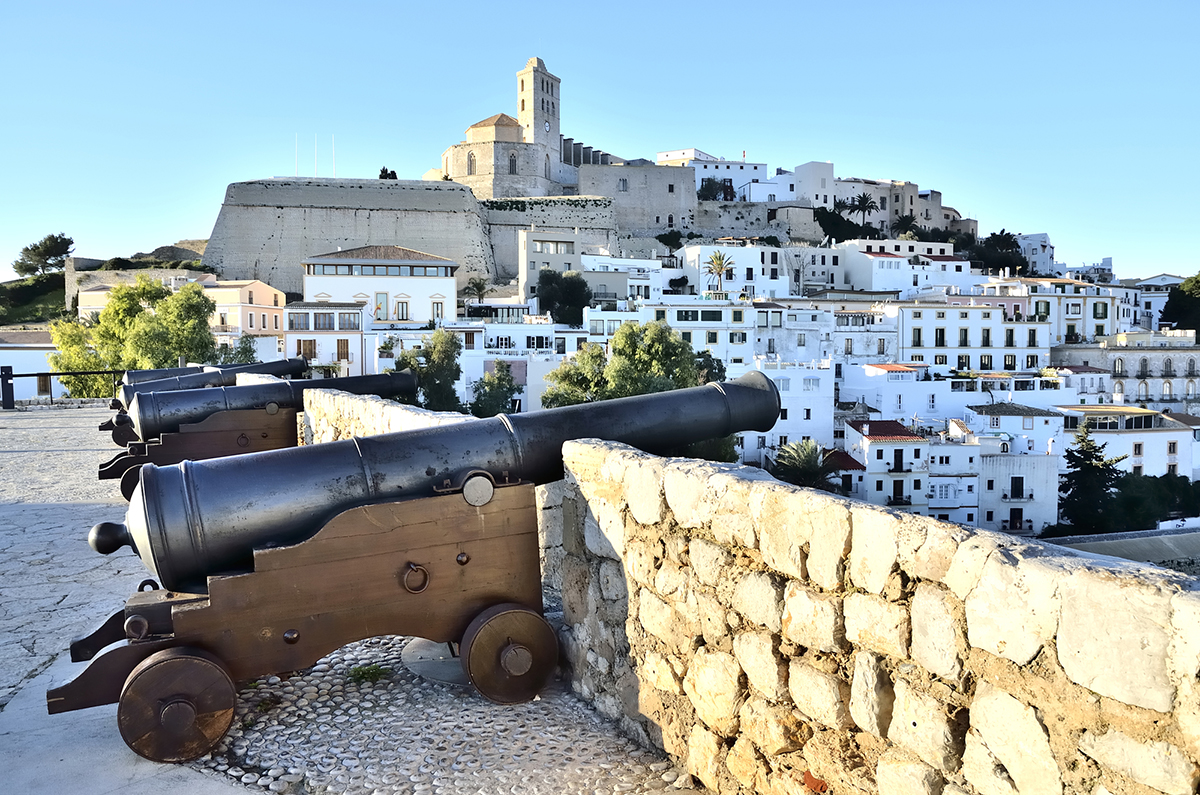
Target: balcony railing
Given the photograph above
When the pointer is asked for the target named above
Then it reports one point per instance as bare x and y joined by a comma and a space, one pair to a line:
896, 470
1026, 497
899, 501
226, 329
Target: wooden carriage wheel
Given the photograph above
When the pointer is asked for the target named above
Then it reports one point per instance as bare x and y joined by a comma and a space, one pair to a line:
509, 653
176, 705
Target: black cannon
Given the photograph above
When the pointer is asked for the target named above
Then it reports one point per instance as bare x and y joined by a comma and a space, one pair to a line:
272, 560
198, 424
137, 376
206, 377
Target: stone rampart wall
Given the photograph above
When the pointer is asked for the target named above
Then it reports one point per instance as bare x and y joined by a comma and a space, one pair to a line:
772, 638
767, 636
591, 216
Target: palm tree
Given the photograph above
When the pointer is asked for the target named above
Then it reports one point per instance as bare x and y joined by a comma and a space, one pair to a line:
806, 464
864, 203
716, 265
840, 206
478, 287
903, 224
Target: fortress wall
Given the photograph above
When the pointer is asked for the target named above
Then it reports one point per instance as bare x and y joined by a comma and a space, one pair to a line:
267, 227
722, 219
780, 640
774, 639
591, 215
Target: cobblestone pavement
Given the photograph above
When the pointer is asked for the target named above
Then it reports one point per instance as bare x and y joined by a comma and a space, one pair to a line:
326, 729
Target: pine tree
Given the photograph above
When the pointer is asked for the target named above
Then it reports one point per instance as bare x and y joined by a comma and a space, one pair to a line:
1086, 491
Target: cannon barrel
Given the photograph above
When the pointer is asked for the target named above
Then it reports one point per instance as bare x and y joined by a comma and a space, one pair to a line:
138, 376
155, 413
210, 377
197, 518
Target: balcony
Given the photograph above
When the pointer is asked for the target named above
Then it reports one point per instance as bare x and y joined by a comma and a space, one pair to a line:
227, 329
898, 470
1026, 497
899, 501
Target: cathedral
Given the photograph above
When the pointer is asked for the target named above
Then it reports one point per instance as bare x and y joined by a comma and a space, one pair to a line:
523, 156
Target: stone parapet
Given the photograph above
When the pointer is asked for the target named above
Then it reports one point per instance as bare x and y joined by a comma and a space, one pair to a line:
770, 638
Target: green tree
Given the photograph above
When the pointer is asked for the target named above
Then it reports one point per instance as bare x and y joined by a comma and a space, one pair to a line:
385, 173
709, 369
74, 352
1183, 305
243, 352
125, 303
840, 206
563, 296
710, 190
437, 369
1086, 490
864, 204
646, 358
186, 314
478, 287
494, 393
996, 252
716, 265
806, 464
48, 254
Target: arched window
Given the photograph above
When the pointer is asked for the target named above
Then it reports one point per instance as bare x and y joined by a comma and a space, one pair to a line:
1118, 387
470, 164
1004, 447
1168, 390
670, 222
1119, 366
1143, 390
1168, 367
547, 169
1191, 366
522, 106
1143, 367
512, 163
1191, 389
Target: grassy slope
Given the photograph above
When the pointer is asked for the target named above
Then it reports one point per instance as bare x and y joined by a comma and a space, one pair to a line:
36, 306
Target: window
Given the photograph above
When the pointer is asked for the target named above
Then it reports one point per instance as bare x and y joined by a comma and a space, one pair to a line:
343, 350
964, 362
881, 346
849, 346
964, 338
470, 164
939, 337
988, 516
985, 361
1137, 470
623, 185
710, 315
1137, 448
917, 315
1010, 338
1099, 311
43, 384
1172, 469
735, 337
1027, 423
250, 317
670, 221
686, 336
670, 188
297, 321
1010, 362
276, 323
879, 454
737, 317
1031, 361
686, 315
916, 337
323, 321
1032, 342
1172, 448
349, 321
711, 338
807, 414
402, 310
512, 164
307, 349
438, 310
879, 485
939, 359
994, 421
276, 300
986, 341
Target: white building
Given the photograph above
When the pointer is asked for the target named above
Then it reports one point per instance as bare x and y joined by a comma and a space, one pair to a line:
894, 459
1154, 443
329, 333
736, 174
965, 337
399, 286
1155, 292
909, 267
1039, 253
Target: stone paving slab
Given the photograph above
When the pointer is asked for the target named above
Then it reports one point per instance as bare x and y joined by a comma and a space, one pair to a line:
317, 731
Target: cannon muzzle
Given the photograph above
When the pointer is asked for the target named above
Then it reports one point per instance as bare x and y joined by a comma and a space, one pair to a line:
197, 518
138, 376
155, 413
207, 377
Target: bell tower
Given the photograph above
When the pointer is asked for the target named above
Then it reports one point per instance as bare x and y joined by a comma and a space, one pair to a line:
538, 106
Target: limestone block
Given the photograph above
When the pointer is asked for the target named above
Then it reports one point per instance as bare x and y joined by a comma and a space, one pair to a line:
705, 756
584, 459
713, 684
812, 619
1011, 733
757, 654
671, 579
576, 577
925, 546
660, 620
641, 560
937, 637
685, 486
744, 762
658, 672
877, 624
549, 495
709, 561
612, 581
644, 489
821, 696
920, 724
550, 527
896, 773
1013, 610
604, 529
773, 728
1184, 663
783, 531
1155, 764
730, 493
871, 695
967, 563
872, 547
1114, 634
711, 616
829, 533
760, 599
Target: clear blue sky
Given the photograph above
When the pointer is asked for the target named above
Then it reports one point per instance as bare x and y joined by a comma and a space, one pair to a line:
123, 122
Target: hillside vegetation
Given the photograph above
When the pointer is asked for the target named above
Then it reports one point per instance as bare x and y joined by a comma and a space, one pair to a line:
36, 299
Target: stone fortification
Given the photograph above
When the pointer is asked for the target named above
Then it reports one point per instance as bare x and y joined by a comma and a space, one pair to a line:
83, 280
590, 216
747, 219
774, 639
267, 227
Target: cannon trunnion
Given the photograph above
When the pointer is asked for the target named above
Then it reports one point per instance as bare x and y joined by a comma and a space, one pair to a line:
269, 561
